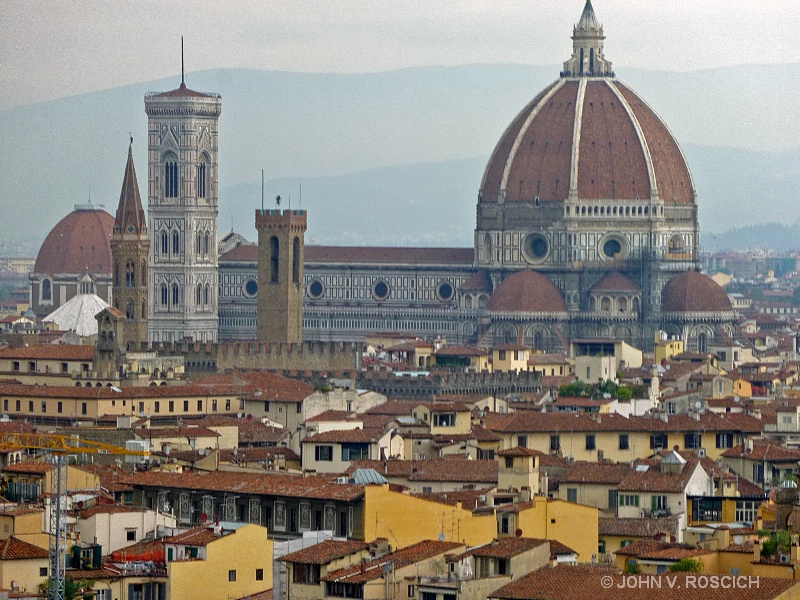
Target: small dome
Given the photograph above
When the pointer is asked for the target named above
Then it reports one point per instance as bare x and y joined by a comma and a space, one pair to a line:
527, 292
80, 242
615, 282
694, 292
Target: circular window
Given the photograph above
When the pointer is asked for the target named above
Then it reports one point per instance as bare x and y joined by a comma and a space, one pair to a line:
535, 247
445, 291
380, 291
250, 288
614, 247
315, 289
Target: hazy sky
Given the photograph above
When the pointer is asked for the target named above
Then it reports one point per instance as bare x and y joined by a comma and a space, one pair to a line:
55, 48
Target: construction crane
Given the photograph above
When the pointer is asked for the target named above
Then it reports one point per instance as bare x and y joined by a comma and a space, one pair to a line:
60, 446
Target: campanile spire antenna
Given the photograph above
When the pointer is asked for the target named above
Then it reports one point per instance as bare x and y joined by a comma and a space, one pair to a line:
183, 79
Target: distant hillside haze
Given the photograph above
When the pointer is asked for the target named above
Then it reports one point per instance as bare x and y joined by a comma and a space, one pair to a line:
393, 158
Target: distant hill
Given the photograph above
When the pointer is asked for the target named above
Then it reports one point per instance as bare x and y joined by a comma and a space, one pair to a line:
393, 157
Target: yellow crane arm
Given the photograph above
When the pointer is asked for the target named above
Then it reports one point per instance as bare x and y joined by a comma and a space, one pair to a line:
62, 444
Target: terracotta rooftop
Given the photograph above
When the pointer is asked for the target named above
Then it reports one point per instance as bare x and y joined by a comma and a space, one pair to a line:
654, 480
763, 451
419, 552
507, 547
79, 243
65, 352
109, 509
460, 351
599, 473
15, 549
434, 469
694, 292
583, 582
481, 281
527, 292
644, 528
615, 282
250, 483
325, 552
341, 436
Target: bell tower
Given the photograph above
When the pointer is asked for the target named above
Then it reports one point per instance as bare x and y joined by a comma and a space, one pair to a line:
130, 248
183, 208
281, 241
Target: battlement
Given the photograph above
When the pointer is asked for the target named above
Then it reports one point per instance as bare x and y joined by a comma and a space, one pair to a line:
308, 356
270, 218
436, 383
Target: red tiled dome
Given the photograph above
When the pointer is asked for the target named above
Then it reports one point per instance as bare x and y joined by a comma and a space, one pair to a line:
624, 149
615, 282
528, 292
80, 242
694, 292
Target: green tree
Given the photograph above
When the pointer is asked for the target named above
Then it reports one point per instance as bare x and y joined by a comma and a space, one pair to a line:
687, 565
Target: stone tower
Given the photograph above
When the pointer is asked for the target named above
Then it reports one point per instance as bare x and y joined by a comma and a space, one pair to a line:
281, 240
182, 208
130, 248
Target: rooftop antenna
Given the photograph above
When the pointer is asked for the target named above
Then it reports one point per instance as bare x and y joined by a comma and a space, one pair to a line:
183, 80
301, 196
262, 190
290, 201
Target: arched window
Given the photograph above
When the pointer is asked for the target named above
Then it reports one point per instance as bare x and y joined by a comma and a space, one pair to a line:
197, 245
144, 309
605, 304
47, 290
199, 298
274, 258
702, 343
164, 243
591, 60
130, 275
176, 243
623, 305
206, 243
202, 176
116, 273
164, 294
129, 310
581, 64
144, 273
207, 295
170, 176
296, 260
176, 295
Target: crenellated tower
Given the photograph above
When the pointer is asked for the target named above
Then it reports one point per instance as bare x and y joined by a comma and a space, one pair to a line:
130, 247
183, 208
281, 241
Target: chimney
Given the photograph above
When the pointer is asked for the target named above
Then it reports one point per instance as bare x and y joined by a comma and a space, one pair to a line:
757, 551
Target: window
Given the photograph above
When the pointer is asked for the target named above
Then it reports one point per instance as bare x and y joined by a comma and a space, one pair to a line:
746, 511
171, 406
164, 295
64, 367
259, 574
624, 442
130, 275
59, 407
42, 571
658, 503
157, 406
522, 441
504, 524
214, 405
199, 406
501, 355
671, 407
44, 406
5, 403
30, 405
232, 575
305, 573
266, 406
509, 462
352, 452
323, 453
202, 177
47, 290
724, 440
130, 535
427, 489
590, 441
170, 176
692, 441
296, 260
572, 494
31, 367
185, 406
658, 440
629, 499
176, 297
613, 498
444, 419
164, 243
555, 443
228, 404
274, 260
410, 591
15, 365
84, 408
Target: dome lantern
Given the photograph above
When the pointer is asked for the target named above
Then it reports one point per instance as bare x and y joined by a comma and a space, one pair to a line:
587, 48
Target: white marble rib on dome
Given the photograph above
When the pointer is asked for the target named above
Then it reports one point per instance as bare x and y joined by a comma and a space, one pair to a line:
78, 314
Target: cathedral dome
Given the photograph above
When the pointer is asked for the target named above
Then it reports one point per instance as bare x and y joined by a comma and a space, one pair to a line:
587, 137
527, 292
80, 242
694, 292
